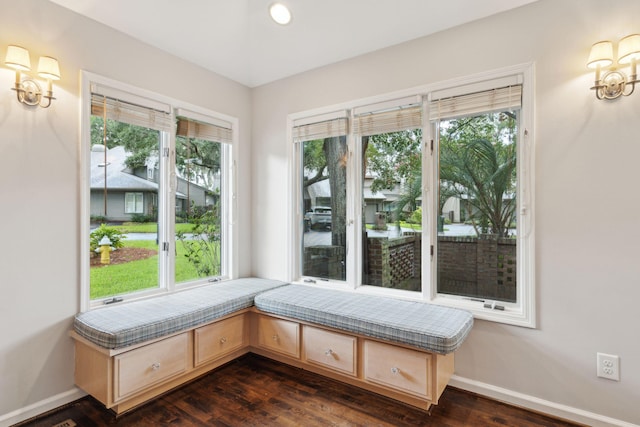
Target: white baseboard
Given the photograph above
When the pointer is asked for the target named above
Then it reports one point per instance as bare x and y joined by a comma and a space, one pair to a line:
40, 407
535, 404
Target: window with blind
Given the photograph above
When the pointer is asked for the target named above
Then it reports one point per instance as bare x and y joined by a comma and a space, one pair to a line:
322, 145
428, 196
477, 145
158, 211
389, 139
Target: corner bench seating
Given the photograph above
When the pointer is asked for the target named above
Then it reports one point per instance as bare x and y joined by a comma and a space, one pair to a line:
127, 354
123, 325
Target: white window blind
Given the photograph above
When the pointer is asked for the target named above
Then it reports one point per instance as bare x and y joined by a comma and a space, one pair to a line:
320, 127
500, 99
220, 132
394, 120
127, 112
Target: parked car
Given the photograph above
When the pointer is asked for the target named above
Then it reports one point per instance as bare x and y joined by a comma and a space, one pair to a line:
320, 216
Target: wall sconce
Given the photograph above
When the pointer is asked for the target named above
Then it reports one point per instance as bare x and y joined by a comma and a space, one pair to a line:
28, 90
615, 83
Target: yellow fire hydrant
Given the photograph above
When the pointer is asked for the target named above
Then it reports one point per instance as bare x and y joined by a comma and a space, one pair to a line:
105, 250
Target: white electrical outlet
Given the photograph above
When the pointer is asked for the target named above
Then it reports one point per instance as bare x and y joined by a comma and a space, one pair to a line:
608, 366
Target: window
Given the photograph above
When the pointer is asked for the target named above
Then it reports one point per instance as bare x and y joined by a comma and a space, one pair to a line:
427, 196
157, 199
132, 202
322, 147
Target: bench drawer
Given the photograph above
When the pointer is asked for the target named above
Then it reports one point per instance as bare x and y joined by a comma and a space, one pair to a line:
138, 369
218, 339
279, 335
330, 350
401, 369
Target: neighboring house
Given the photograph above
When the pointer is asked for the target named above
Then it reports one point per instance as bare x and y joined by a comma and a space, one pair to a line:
134, 192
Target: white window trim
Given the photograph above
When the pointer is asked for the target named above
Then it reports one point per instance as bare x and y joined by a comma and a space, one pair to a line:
523, 313
229, 250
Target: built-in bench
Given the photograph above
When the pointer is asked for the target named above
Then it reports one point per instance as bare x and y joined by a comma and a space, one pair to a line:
426, 326
119, 326
129, 353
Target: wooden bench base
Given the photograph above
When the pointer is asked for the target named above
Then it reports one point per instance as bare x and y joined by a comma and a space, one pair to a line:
125, 378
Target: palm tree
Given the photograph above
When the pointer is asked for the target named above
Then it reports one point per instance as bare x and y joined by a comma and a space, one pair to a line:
484, 173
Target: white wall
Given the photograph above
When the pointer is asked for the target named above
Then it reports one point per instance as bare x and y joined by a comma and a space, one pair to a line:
587, 233
39, 187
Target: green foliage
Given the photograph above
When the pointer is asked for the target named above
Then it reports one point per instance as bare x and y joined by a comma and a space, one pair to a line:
416, 216
98, 218
142, 218
478, 164
202, 245
140, 142
409, 198
198, 160
394, 157
115, 235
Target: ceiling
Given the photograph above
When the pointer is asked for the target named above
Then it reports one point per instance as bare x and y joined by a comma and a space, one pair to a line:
238, 39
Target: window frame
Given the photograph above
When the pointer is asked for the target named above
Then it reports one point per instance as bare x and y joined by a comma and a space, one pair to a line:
166, 198
523, 312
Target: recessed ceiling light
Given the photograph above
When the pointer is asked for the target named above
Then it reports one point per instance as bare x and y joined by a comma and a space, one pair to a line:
280, 13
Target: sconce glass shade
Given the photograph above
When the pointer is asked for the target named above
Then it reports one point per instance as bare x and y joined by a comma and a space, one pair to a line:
18, 58
601, 55
629, 49
48, 68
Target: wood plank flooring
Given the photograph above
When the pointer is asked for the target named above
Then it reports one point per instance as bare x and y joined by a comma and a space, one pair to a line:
254, 391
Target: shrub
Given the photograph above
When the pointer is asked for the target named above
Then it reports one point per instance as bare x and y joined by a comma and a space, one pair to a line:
140, 218
202, 244
416, 217
98, 218
113, 234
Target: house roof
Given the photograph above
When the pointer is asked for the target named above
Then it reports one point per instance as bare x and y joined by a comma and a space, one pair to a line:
118, 176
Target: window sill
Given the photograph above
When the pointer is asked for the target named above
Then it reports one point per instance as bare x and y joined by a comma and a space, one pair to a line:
511, 315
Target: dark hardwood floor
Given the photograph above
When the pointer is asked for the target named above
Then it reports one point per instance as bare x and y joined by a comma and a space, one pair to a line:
254, 391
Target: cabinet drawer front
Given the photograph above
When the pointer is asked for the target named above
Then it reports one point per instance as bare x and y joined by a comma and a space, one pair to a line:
140, 368
401, 369
330, 349
218, 339
279, 335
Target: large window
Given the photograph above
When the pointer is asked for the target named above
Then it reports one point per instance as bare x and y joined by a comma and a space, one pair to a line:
157, 199
427, 196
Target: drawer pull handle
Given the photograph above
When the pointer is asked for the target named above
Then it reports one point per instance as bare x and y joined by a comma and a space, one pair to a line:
275, 337
395, 370
328, 353
223, 340
155, 366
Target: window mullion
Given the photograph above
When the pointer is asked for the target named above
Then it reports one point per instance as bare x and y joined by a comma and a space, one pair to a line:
354, 218
166, 210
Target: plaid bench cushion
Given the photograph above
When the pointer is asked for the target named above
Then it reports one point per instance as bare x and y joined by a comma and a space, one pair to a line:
122, 325
426, 326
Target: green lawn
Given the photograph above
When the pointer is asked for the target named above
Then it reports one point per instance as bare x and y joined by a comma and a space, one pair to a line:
149, 227
136, 275
403, 224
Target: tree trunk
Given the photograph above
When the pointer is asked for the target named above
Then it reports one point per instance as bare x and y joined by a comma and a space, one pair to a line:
335, 152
